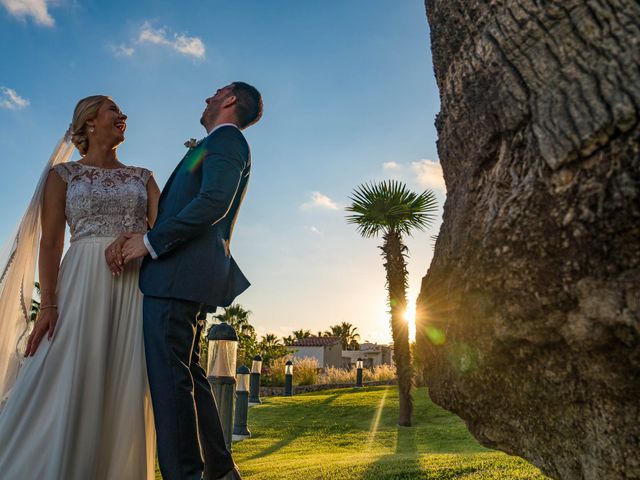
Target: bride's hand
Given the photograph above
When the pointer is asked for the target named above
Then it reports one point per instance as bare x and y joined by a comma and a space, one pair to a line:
46, 322
113, 255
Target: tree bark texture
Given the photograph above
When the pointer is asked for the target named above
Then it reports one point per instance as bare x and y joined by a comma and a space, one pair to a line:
535, 281
393, 251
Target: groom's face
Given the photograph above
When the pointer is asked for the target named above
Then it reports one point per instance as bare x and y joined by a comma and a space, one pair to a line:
215, 103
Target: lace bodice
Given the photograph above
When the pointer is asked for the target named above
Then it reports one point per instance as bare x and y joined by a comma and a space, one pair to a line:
104, 202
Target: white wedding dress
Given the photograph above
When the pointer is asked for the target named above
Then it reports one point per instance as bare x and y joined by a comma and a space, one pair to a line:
80, 408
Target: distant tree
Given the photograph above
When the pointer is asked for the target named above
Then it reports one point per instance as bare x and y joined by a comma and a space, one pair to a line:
347, 333
236, 316
298, 334
389, 208
271, 348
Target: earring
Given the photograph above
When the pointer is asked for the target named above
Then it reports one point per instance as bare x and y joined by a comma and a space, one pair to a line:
91, 129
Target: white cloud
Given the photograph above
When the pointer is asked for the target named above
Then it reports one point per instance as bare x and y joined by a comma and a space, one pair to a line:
390, 165
122, 50
318, 200
314, 230
421, 174
10, 99
190, 46
429, 174
30, 8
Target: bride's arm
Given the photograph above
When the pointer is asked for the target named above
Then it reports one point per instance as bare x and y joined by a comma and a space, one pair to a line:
153, 197
51, 247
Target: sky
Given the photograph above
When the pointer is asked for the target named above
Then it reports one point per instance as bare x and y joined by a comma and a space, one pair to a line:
349, 96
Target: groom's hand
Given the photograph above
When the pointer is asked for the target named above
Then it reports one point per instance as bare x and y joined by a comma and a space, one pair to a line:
113, 254
134, 247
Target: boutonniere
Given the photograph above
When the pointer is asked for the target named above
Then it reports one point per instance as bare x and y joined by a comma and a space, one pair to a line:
192, 143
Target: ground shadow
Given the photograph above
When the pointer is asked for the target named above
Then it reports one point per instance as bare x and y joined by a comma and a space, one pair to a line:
283, 442
405, 457
291, 436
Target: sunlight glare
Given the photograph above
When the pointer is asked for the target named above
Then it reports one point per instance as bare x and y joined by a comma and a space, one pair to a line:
410, 318
376, 419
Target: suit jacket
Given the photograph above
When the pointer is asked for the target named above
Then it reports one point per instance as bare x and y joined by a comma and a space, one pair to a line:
196, 215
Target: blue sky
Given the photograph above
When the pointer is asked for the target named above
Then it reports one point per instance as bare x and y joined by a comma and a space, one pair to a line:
349, 97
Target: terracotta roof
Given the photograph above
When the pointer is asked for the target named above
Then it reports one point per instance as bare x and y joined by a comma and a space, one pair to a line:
316, 341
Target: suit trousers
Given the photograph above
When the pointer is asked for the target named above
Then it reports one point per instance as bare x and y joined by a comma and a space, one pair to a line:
186, 416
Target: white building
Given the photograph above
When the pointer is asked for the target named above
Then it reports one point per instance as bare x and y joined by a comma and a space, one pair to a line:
326, 350
371, 354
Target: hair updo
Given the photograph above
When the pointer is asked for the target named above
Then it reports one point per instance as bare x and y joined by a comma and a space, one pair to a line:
86, 109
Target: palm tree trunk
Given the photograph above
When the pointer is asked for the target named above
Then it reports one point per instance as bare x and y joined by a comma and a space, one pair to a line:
393, 252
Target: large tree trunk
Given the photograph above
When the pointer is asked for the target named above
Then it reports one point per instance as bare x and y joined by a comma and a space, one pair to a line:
535, 281
393, 252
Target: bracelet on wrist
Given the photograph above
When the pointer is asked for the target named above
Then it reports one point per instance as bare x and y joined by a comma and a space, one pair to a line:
44, 307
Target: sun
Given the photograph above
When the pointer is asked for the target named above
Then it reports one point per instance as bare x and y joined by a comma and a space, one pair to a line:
410, 313
383, 318
410, 318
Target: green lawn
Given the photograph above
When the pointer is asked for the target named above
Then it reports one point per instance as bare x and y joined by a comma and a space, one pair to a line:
352, 434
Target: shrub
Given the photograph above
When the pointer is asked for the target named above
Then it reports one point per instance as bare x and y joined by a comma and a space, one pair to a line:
273, 375
340, 375
334, 375
379, 374
305, 372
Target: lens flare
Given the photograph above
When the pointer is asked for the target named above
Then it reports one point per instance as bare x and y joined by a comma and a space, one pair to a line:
436, 335
196, 158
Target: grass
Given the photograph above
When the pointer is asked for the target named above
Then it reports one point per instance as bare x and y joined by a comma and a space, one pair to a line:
351, 434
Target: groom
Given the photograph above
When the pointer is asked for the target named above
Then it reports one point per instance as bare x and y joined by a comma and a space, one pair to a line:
188, 271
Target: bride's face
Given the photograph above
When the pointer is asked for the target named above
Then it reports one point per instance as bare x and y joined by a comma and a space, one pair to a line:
109, 125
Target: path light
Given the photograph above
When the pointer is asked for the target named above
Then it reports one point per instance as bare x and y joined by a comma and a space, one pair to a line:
288, 378
240, 430
254, 383
221, 369
359, 372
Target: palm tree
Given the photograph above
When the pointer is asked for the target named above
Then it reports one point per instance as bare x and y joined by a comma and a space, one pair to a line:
271, 348
390, 209
298, 334
347, 332
270, 340
236, 316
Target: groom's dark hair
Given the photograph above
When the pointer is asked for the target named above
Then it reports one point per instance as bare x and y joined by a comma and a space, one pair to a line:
248, 104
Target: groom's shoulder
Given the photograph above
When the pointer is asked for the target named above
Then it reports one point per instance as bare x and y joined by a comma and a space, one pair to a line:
228, 131
226, 136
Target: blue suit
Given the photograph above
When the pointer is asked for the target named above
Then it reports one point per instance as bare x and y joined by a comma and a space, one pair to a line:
192, 274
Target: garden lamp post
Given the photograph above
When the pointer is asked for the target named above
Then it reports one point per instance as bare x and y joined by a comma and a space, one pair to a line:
254, 381
221, 369
288, 378
359, 372
240, 430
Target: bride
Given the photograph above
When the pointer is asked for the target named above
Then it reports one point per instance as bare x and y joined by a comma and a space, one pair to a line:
79, 406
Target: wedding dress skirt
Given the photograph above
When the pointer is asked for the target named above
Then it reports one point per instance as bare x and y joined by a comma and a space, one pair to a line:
80, 408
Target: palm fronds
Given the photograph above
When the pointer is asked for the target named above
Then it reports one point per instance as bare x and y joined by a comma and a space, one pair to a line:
390, 206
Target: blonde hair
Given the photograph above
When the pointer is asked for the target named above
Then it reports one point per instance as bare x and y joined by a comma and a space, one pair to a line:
86, 109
